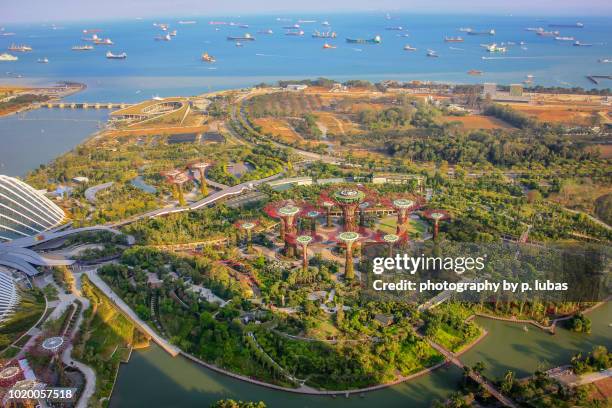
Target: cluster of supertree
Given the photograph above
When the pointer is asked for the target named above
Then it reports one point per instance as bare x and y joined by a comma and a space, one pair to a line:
176, 178
353, 201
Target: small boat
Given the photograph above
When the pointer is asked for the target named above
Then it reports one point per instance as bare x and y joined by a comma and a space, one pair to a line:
528, 80
246, 37
581, 44
243, 25
375, 40
43, 60
295, 33
605, 60
292, 27
268, 32
184, 22
325, 23
217, 23
398, 28
82, 48
208, 58
565, 39
8, 57
407, 47
432, 54
328, 46
525, 329
466, 29
475, 72
239, 44
535, 29
489, 32
20, 48
173, 33
110, 55
453, 39
91, 30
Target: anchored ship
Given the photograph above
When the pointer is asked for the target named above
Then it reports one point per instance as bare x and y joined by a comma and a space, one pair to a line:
328, 46
565, 38
20, 48
110, 55
581, 44
268, 32
493, 48
106, 41
163, 38
8, 57
489, 32
82, 48
246, 37
475, 72
325, 34
375, 40
407, 47
432, 54
453, 39
208, 58
43, 60
575, 25
547, 33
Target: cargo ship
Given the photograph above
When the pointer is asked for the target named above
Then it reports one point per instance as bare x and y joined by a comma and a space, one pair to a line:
407, 47
110, 55
20, 48
8, 57
581, 44
375, 40
466, 29
536, 29
475, 72
453, 39
325, 34
246, 37
163, 38
82, 48
217, 23
268, 32
292, 27
173, 33
328, 46
325, 23
295, 33
307, 21
106, 41
565, 39
489, 32
398, 28
187, 22
547, 33
208, 58
575, 25
493, 48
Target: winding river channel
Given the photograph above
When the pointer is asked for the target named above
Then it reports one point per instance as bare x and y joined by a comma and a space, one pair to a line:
153, 378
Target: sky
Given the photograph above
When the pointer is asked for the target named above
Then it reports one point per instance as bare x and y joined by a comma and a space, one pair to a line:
73, 10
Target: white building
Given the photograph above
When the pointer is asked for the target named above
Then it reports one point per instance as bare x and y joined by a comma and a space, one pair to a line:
24, 211
9, 296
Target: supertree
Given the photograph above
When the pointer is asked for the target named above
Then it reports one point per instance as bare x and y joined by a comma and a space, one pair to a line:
436, 216
403, 204
328, 205
348, 198
303, 241
349, 238
247, 226
177, 178
312, 215
200, 167
286, 212
390, 240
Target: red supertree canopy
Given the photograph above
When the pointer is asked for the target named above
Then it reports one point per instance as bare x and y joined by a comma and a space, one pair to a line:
10, 373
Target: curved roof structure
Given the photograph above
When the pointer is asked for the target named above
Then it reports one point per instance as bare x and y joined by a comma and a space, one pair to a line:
9, 296
25, 212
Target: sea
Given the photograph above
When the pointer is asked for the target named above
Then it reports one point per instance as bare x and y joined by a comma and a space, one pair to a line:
174, 67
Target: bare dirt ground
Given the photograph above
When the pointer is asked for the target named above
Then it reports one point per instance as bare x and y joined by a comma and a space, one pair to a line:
477, 122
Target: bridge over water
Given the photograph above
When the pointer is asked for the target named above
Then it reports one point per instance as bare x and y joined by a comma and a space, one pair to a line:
84, 105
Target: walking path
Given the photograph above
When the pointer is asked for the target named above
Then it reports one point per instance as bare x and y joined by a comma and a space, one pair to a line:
100, 284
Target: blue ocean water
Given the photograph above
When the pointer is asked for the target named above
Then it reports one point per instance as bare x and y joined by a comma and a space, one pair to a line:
174, 67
